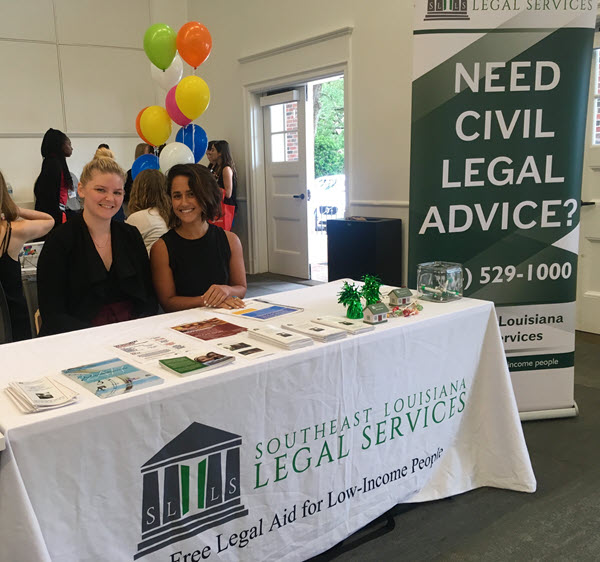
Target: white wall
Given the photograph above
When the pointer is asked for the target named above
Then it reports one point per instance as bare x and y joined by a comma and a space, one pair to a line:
77, 66
378, 89
378, 92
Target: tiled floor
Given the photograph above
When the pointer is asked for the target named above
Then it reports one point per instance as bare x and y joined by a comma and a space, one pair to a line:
264, 283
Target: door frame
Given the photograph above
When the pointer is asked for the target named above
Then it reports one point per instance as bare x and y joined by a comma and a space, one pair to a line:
258, 259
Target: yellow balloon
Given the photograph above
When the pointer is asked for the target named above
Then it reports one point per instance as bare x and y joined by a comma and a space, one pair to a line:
192, 96
155, 125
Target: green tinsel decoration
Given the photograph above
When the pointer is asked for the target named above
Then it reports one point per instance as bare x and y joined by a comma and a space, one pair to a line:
370, 290
349, 296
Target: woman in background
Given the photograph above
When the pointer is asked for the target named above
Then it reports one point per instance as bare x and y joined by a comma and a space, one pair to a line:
222, 166
17, 226
52, 186
104, 152
197, 263
94, 270
149, 206
141, 149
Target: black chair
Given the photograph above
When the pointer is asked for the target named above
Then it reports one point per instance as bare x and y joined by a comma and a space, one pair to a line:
5, 326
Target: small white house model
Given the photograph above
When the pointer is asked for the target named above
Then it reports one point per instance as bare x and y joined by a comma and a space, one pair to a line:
400, 297
375, 313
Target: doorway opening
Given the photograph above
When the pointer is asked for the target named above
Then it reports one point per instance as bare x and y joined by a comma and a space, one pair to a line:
326, 179
304, 173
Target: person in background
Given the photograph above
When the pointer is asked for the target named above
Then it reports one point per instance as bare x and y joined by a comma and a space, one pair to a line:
222, 166
149, 206
74, 202
103, 152
54, 182
17, 226
93, 270
103, 145
141, 149
197, 263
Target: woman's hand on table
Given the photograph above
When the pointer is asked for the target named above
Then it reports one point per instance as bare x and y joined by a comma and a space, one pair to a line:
232, 302
220, 296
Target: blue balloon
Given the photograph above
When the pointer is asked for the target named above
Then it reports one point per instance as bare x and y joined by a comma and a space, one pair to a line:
144, 162
194, 137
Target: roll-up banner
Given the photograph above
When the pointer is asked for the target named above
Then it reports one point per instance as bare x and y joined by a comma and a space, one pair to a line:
499, 107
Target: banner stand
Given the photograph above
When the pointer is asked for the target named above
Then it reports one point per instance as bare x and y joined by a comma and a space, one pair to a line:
550, 414
499, 108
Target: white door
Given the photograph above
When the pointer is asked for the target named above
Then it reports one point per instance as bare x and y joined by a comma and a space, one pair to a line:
285, 172
588, 269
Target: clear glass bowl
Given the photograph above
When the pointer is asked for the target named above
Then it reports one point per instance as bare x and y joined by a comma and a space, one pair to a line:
439, 281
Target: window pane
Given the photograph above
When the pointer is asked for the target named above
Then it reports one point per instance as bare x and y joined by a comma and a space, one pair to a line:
277, 148
597, 59
291, 116
277, 118
291, 147
596, 136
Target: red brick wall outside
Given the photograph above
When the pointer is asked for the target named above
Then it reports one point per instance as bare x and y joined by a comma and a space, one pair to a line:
291, 124
596, 102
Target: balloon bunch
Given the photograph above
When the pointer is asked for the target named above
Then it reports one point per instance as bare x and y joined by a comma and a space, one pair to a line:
186, 98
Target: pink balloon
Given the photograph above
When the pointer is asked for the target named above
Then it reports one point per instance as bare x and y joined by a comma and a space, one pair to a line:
173, 110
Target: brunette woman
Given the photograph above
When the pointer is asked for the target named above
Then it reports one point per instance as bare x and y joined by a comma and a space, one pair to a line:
222, 166
17, 226
149, 206
197, 263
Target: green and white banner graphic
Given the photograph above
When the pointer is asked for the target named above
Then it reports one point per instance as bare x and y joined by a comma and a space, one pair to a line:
499, 108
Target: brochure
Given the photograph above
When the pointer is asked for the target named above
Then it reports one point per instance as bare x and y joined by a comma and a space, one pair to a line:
210, 329
111, 377
148, 349
185, 366
315, 331
244, 348
280, 337
259, 309
349, 325
41, 394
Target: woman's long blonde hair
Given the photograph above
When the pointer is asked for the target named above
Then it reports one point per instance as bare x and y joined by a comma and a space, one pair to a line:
150, 190
8, 208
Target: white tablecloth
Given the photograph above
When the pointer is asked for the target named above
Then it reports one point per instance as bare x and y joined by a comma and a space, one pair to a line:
290, 453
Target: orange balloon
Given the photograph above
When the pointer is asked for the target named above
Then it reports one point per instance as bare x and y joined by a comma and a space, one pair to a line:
137, 125
194, 43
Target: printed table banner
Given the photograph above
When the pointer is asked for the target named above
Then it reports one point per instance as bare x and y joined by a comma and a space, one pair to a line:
500, 92
270, 459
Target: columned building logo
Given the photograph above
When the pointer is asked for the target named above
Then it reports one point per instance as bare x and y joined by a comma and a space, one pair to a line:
446, 10
189, 486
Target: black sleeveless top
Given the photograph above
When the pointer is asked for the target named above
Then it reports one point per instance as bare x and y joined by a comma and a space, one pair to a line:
10, 277
198, 264
228, 200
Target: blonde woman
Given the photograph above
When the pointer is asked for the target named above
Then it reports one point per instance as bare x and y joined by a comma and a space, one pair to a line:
17, 226
103, 152
149, 206
94, 270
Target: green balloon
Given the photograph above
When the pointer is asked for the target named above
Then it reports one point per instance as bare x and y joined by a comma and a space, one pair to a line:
160, 45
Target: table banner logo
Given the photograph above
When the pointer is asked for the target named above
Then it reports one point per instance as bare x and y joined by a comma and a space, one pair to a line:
192, 484
446, 10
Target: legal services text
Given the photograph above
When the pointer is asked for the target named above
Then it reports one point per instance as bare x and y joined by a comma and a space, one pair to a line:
310, 507
493, 125
314, 446
531, 5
